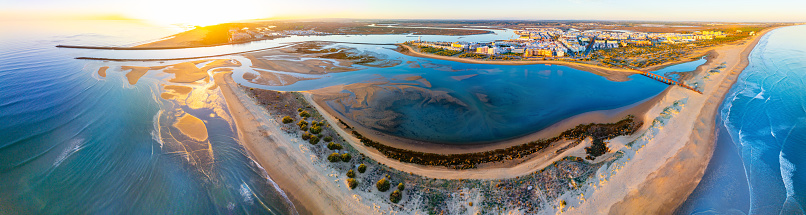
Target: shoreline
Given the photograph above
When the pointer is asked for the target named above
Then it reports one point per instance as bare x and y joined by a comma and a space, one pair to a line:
598, 116
313, 193
681, 154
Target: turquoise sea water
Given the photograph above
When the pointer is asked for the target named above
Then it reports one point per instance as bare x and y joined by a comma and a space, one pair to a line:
71, 143
757, 165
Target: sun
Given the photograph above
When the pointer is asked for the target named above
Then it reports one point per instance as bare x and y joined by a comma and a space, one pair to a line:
200, 12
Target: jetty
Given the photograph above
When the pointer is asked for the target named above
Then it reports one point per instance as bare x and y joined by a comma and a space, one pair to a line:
668, 81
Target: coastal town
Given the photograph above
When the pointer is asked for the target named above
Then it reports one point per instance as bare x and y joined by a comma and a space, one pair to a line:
572, 44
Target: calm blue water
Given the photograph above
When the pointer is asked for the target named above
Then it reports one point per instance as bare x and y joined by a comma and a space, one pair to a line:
756, 168
499, 102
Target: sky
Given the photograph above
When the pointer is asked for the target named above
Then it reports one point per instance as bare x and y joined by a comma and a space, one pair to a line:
204, 12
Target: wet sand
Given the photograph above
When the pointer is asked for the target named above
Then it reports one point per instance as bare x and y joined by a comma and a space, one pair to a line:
306, 182
192, 127
102, 71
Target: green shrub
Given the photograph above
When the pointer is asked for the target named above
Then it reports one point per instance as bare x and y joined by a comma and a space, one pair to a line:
316, 129
287, 119
302, 123
333, 146
306, 136
362, 168
299, 109
401, 186
328, 139
395, 196
314, 140
382, 185
351, 173
346, 157
334, 157
352, 183
304, 114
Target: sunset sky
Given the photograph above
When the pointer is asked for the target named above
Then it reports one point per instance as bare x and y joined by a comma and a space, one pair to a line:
211, 12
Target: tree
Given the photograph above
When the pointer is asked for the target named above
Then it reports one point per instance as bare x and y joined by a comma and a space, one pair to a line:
350, 173
362, 168
401, 186
382, 185
314, 140
352, 183
346, 157
287, 119
334, 157
395, 196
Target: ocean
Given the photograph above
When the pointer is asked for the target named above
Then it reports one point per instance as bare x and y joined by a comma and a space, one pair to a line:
761, 132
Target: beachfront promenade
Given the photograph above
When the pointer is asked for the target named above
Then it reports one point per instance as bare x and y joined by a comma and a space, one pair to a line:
668, 81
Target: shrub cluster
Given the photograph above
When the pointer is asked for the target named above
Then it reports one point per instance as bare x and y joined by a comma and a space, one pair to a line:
362, 168
287, 119
314, 140
334, 157
395, 196
352, 183
346, 157
333, 146
382, 185
599, 132
304, 114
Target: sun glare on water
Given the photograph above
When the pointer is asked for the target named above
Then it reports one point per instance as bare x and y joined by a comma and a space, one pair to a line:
200, 12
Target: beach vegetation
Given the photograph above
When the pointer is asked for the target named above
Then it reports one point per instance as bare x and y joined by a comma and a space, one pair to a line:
334, 157
302, 123
315, 128
333, 146
438, 51
382, 185
362, 168
346, 157
395, 196
287, 119
473, 55
352, 183
596, 131
304, 114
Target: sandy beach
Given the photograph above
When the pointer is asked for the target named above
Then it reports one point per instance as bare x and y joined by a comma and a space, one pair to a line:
662, 174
